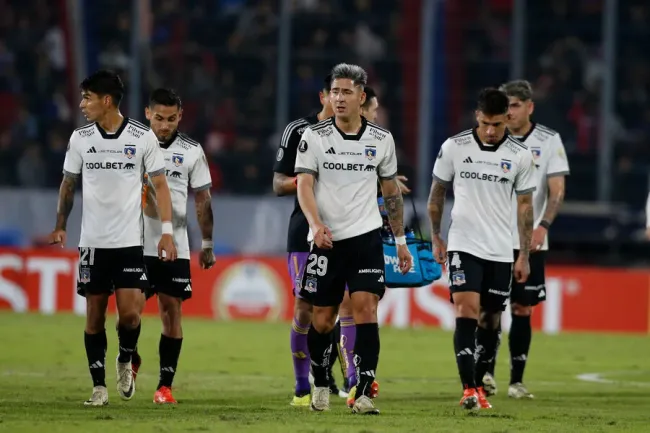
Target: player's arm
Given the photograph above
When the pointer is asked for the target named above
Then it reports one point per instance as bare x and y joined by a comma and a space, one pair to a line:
201, 182
154, 164
390, 190
163, 195
71, 171
393, 204
524, 188
284, 183
443, 176
558, 168
66, 200
307, 199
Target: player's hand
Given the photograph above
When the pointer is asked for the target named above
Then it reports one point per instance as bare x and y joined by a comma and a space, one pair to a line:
323, 237
57, 237
166, 246
537, 240
522, 268
439, 250
402, 185
206, 258
405, 259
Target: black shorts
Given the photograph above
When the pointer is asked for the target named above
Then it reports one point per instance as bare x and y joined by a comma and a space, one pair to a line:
104, 270
170, 278
357, 262
533, 291
468, 273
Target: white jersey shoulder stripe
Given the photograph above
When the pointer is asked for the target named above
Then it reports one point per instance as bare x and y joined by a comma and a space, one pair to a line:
184, 138
462, 134
138, 124
322, 124
374, 125
90, 125
546, 129
518, 143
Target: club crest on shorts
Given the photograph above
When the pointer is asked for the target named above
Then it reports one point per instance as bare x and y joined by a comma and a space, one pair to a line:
177, 159
311, 285
371, 153
537, 152
506, 165
129, 151
84, 275
458, 278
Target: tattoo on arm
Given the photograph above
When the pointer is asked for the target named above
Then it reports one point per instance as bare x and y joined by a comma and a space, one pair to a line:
66, 200
525, 221
394, 205
204, 215
436, 206
555, 198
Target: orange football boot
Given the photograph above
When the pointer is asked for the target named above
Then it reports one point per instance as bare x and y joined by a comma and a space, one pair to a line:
482, 399
164, 396
470, 399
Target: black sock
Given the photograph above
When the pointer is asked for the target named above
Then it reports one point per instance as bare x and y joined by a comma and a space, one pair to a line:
96, 353
486, 346
320, 346
335, 353
169, 350
128, 341
492, 365
520, 336
464, 347
135, 357
366, 357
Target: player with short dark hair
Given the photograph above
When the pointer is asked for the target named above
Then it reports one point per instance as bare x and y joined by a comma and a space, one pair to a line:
485, 166
552, 166
186, 167
110, 154
345, 154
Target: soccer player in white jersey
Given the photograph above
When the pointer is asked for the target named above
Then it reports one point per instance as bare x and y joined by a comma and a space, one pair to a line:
552, 166
185, 167
485, 166
111, 154
284, 183
338, 162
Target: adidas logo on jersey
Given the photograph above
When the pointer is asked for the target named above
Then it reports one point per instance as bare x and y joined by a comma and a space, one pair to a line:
92, 150
468, 160
143, 277
331, 151
188, 288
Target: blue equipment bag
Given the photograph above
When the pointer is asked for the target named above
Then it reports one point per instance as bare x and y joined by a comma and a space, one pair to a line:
425, 269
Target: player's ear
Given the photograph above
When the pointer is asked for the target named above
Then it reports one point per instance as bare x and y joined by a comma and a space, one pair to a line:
180, 114
147, 113
363, 97
531, 108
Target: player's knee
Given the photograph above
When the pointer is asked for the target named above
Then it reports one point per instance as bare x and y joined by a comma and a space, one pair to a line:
365, 314
521, 310
129, 319
324, 319
303, 312
467, 304
489, 319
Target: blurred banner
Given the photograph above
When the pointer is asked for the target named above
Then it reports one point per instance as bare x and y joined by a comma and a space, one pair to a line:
258, 288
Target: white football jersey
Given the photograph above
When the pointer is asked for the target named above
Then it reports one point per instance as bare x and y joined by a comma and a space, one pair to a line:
346, 167
111, 167
551, 160
484, 178
186, 167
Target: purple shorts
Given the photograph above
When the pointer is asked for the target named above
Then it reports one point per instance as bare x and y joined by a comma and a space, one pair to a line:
296, 264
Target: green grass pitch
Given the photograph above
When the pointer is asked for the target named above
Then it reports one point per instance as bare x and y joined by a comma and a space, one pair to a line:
237, 377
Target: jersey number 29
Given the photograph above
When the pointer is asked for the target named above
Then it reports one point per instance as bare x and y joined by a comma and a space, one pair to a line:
318, 262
